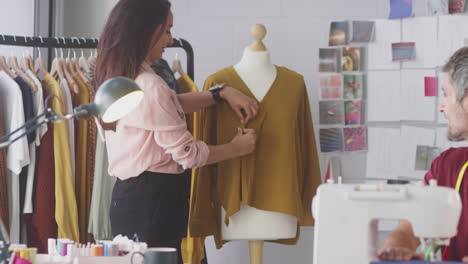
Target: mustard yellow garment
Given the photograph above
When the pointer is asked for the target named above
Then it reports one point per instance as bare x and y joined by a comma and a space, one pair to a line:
65, 202
281, 175
81, 178
192, 248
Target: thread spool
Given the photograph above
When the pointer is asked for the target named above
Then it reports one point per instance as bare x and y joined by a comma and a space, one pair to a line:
97, 250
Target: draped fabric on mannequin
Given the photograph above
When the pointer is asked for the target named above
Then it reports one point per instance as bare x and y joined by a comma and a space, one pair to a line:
283, 172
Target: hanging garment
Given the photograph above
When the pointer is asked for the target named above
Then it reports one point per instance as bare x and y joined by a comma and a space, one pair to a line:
28, 107
12, 111
41, 224
82, 179
283, 172
4, 209
66, 213
162, 68
67, 101
38, 108
99, 221
90, 158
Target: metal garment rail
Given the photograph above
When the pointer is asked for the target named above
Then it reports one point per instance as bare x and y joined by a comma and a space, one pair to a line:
85, 43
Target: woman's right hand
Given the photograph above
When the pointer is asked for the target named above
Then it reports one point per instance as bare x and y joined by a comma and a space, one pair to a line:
244, 142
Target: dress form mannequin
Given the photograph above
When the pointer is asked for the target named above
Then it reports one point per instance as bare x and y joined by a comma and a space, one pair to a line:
258, 74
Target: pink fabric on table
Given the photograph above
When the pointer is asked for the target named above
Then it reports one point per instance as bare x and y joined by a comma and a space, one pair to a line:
154, 136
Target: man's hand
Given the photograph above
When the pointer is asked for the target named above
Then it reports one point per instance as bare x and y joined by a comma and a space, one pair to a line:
399, 254
240, 103
401, 244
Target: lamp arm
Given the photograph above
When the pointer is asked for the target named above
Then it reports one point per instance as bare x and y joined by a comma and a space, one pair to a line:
6, 143
29, 123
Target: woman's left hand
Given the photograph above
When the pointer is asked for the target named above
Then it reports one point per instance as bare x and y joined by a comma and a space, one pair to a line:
240, 103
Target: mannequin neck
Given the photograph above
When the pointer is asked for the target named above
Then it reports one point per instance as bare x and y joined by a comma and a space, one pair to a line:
255, 61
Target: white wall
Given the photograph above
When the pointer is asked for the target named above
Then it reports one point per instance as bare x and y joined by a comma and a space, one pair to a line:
218, 31
16, 18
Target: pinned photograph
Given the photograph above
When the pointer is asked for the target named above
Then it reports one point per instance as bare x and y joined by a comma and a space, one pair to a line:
351, 59
330, 86
363, 31
353, 112
331, 112
456, 6
355, 138
353, 86
424, 157
331, 139
338, 33
403, 51
328, 60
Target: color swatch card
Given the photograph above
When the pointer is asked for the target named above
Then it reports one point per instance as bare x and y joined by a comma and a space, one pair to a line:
331, 139
424, 157
351, 59
430, 86
403, 51
339, 31
353, 86
331, 112
400, 9
353, 112
330, 86
328, 60
355, 138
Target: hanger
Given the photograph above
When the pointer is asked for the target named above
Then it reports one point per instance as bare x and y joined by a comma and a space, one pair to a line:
39, 64
30, 59
4, 66
92, 58
26, 59
76, 64
13, 62
82, 61
56, 70
68, 76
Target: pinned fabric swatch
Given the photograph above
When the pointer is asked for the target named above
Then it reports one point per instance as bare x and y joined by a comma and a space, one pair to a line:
355, 138
331, 112
328, 60
403, 51
330, 139
430, 86
400, 9
363, 31
456, 6
353, 112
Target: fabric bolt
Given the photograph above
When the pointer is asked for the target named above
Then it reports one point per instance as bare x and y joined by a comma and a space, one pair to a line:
99, 220
66, 213
159, 143
282, 174
41, 223
12, 111
68, 104
4, 209
445, 169
82, 180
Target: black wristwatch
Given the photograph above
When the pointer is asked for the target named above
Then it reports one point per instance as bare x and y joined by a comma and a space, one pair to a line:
215, 90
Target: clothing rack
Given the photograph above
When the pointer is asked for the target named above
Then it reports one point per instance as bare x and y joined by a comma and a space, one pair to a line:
85, 43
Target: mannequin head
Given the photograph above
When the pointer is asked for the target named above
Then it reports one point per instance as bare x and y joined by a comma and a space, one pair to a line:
132, 30
258, 32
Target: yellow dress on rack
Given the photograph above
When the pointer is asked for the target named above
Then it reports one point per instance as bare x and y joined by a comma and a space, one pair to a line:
283, 172
82, 180
66, 214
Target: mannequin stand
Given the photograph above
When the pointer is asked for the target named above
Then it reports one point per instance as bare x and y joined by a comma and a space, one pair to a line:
256, 251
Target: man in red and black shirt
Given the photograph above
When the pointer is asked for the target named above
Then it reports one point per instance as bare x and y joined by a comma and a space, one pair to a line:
402, 244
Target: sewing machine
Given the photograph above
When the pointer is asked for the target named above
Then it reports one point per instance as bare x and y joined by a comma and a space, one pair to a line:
346, 217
